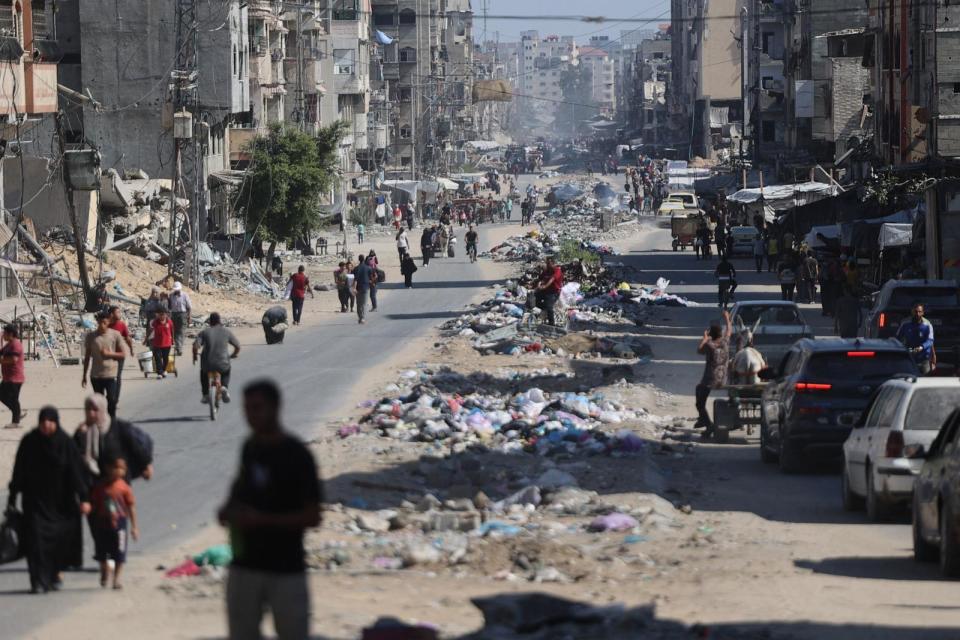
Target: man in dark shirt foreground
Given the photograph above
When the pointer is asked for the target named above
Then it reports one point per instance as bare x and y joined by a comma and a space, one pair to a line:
275, 497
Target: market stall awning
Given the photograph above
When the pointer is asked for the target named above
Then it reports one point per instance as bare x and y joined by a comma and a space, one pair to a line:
785, 196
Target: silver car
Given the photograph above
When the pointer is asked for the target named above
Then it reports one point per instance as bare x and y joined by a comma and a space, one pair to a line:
776, 326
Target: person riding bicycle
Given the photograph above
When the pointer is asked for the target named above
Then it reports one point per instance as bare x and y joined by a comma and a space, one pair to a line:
916, 334
214, 341
471, 238
726, 276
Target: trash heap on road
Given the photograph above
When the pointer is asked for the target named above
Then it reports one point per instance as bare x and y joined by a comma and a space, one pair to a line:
474, 409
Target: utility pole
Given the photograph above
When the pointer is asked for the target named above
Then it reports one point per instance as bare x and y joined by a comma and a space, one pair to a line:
745, 75
301, 106
78, 236
188, 151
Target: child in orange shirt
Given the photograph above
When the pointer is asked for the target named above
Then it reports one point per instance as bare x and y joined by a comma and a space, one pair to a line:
113, 508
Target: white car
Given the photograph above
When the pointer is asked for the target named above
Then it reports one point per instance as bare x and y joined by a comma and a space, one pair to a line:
904, 411
743, 239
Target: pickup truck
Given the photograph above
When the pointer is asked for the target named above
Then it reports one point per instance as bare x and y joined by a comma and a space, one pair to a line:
941, 300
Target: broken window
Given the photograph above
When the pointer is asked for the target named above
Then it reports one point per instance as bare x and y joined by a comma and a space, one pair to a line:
344, 61
9, 20
383, 19
405, 131
345, 10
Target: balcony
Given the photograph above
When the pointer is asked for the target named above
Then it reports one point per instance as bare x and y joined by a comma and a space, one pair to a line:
344, 83
240, 140
391, 70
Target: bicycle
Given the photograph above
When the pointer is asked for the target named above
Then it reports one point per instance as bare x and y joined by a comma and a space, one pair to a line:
472, 252
216, 388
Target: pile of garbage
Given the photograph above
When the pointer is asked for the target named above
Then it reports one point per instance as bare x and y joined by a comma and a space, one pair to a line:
448, 406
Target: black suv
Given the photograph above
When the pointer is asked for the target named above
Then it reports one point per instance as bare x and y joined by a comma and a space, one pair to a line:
941, 300
817, 393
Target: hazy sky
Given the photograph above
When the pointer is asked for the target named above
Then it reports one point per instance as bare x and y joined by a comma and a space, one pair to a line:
510, 29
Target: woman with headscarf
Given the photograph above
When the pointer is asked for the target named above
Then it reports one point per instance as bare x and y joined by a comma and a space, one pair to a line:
102, 439
48, 474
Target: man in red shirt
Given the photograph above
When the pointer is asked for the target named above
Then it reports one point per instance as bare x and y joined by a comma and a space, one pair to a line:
11, 368
299, 285
118, 325
548, 289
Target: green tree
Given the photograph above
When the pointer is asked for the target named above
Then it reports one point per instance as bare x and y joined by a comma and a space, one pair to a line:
289, 171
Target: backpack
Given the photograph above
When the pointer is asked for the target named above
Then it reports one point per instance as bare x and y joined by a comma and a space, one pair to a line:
139, 445
381, 275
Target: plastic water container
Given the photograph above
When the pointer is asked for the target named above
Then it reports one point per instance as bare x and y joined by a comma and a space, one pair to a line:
145, 360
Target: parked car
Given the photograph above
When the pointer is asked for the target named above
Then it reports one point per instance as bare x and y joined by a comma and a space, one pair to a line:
936, 499
743, 238
686, 198
906, 411
941, 299
817, 394
776, 326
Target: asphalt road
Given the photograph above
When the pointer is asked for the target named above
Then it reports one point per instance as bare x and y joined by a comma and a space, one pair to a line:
316, 366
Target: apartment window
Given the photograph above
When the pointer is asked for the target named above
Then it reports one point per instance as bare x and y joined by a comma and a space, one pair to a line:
406, 94
767, 82
344, 61
404, 161
766, 40
658, 55
405, 132
408, 54
41, 29
407, 16
384, 19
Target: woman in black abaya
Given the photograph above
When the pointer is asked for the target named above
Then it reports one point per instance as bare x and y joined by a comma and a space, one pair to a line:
48, 474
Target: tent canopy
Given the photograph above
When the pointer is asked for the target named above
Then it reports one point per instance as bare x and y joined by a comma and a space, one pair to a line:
894, 234
785, 196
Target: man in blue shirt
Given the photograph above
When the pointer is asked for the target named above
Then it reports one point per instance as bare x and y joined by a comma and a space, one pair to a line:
916, 334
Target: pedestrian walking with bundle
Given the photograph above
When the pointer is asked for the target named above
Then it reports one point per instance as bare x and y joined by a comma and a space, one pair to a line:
180, 310
49, 478
299, 285
103, 349
161, 341
112, 520
13, 374
274, 499
407, 267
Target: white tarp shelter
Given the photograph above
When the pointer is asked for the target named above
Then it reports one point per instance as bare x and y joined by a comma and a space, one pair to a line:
785, 196
894, 234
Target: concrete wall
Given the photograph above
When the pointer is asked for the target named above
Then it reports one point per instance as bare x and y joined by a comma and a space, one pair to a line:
127, 52
719, 56
45, 202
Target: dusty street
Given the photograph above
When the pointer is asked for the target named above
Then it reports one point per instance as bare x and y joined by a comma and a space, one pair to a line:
723, 540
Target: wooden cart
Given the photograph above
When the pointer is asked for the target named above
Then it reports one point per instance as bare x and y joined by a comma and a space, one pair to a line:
741, 409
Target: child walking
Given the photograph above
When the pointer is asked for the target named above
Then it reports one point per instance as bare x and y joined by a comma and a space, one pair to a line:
113, 509
161, 341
